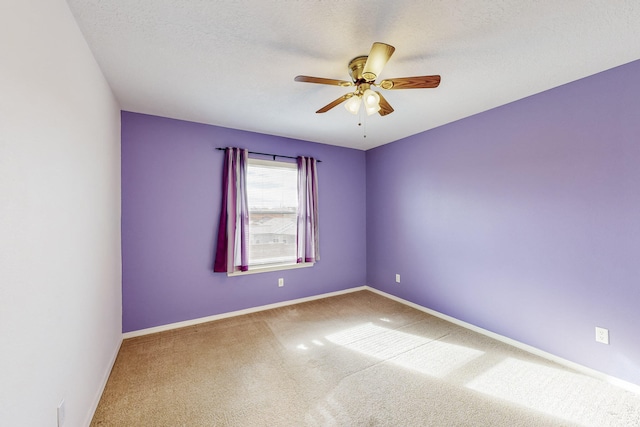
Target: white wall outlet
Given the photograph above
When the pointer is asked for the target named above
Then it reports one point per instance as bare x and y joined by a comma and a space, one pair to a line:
280, 282
397, 278
61, 413
602, 335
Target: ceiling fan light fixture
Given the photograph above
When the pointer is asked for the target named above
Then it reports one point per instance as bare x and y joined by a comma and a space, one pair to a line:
363, 71
371, 101
353, 105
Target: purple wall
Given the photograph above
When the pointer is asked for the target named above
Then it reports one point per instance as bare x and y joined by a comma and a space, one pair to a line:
171, 190
523, 220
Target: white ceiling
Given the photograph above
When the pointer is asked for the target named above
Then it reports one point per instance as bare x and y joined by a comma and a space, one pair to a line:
232, 63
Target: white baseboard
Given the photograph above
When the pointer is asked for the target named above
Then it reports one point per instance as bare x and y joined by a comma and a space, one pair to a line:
192, 322
100, 391
535, 351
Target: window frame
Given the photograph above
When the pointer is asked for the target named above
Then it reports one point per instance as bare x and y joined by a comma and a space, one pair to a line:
265, 268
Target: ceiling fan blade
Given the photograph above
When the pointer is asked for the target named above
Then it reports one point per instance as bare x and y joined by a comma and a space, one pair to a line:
332, 104
417, 82
385, 107
378, 57
323, 81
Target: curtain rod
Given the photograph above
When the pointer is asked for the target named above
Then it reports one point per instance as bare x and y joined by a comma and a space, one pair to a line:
268, 154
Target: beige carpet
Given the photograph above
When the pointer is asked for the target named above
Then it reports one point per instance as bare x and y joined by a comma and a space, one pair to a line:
353, 360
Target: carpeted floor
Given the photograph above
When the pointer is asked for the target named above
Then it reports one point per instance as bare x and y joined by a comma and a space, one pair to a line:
353, 360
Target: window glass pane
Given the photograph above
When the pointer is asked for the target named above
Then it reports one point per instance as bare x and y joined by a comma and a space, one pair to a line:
272, 195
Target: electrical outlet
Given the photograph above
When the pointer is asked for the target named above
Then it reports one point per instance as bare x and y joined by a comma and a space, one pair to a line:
61, 413
280, 282
397, 278
602, 335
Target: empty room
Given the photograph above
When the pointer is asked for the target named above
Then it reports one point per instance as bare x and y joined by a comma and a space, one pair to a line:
319, 213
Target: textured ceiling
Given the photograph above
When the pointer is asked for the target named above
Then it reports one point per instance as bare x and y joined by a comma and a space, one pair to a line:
232, 63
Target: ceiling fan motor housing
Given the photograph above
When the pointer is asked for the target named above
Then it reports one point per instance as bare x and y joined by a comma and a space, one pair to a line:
355, 68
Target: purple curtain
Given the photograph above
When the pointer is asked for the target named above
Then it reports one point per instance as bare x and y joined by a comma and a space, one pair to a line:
233, 229
308, 247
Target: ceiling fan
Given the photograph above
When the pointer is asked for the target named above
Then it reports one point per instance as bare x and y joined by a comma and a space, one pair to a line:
364, 70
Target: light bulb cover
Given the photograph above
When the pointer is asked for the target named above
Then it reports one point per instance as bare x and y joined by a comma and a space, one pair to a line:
371, 101
353, 105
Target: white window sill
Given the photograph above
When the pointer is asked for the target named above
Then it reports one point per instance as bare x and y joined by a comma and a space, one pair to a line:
269, 268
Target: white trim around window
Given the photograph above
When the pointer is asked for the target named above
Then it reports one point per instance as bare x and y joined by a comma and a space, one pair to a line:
269, 268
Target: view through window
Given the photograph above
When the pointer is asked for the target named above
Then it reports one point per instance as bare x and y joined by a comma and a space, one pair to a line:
272, 193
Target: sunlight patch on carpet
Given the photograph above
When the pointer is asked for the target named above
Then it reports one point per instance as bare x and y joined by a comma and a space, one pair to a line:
425, 355
560, 393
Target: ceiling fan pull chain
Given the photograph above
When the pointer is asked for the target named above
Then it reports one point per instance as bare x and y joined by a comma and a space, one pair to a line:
364, 127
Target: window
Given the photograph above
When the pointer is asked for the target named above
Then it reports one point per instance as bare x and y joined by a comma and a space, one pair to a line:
265, 225
272, 196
